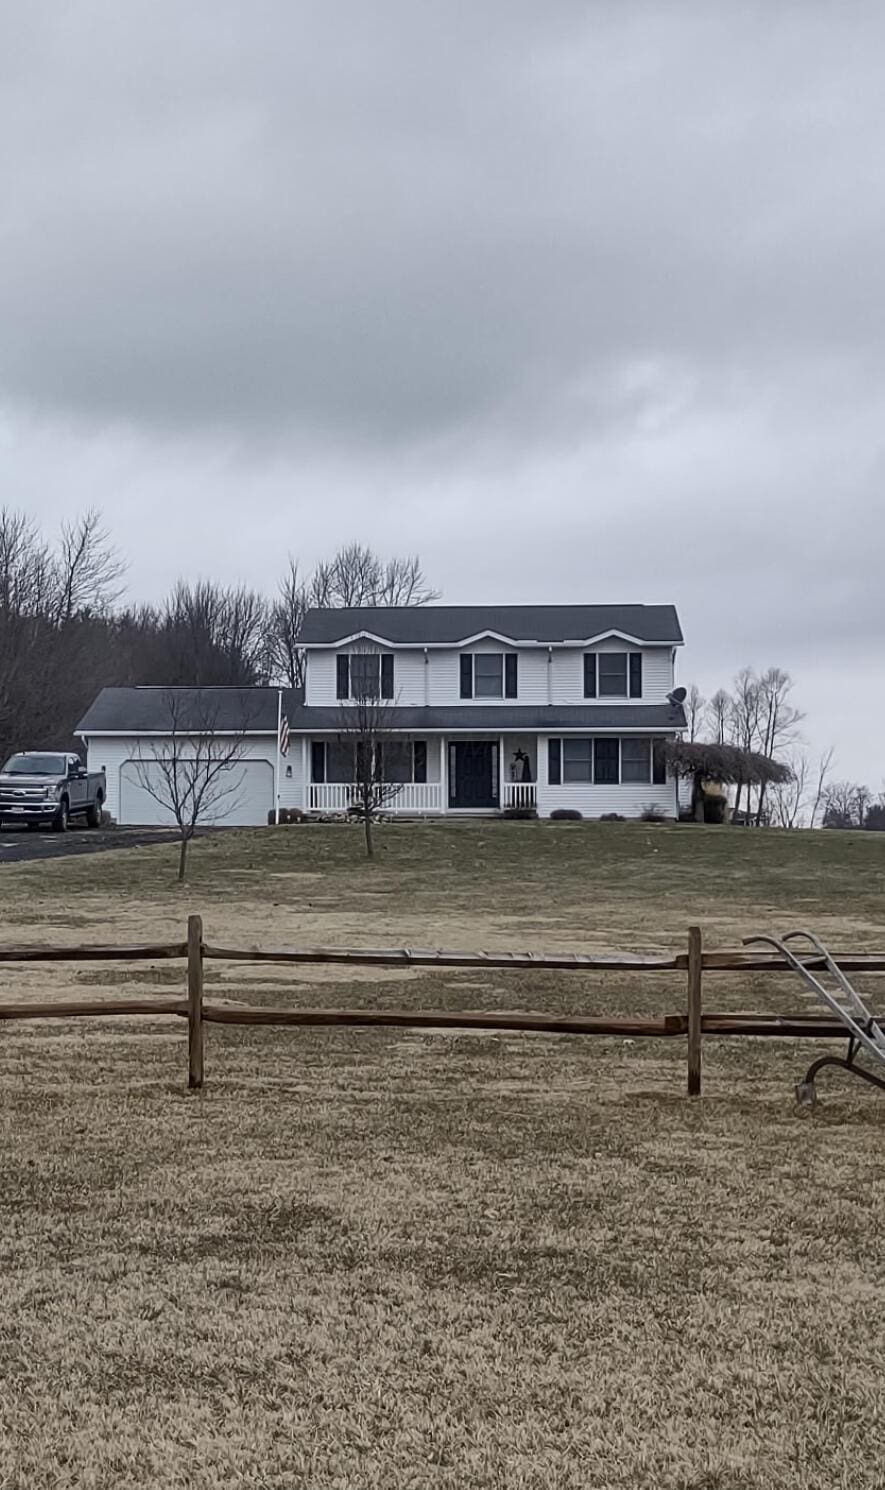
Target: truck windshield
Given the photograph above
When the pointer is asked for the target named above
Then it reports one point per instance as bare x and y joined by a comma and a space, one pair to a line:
36, 765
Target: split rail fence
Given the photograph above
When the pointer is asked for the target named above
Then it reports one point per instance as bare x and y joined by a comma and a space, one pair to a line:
690, 1024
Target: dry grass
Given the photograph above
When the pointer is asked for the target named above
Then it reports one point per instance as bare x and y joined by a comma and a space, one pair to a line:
368, 1259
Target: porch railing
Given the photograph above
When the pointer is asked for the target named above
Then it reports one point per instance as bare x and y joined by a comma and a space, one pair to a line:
519, 794
339, 796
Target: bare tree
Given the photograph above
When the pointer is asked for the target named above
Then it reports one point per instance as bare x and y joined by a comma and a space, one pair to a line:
88, 568
779, 722
211, 634
718, 715
356, 576
285, 618
824, 770
372, 748
788, 798
695, 705
846, 804
191, 772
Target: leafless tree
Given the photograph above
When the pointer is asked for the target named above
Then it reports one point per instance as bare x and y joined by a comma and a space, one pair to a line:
695, 705
372, 747
285, 618
787, 799
212, 634
191, 772
88, 568
824, 771
718, 715
779, 722
357, 576
846, 804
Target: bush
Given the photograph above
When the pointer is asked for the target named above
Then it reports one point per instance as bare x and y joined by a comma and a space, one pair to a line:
288, 815
519, 814
566, 815
612, 817
653, 812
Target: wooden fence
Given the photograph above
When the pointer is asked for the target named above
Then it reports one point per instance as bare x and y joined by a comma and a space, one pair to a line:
691, 1023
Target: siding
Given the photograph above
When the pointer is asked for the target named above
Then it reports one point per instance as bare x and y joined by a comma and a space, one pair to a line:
434, 677
628, 798
112, 753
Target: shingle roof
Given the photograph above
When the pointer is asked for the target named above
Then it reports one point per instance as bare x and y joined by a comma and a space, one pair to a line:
439, 625
146, 710
149, 710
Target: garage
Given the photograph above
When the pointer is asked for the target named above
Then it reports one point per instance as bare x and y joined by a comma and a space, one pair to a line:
248, 804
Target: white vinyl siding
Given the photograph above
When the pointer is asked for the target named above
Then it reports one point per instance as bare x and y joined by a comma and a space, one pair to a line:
113, 752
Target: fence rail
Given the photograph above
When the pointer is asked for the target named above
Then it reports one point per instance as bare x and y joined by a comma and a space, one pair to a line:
691, 1024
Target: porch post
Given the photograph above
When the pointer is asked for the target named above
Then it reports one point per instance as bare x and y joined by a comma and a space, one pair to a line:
500, 773
305, 773
444, 772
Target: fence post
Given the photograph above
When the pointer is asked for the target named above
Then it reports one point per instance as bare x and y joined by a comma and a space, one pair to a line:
695, 974
195, 1002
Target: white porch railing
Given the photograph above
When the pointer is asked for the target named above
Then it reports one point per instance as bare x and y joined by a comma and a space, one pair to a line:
338, 796
518, 794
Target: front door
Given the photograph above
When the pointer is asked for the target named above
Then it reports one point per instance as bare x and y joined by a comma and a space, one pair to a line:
473, 774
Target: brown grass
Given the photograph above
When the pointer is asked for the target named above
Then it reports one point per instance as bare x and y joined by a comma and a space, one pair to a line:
366, 1259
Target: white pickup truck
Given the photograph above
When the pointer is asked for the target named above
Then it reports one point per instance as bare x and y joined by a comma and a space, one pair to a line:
38, 787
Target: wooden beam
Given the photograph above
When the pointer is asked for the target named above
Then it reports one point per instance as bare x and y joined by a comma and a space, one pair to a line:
93, 1008
431, 957
151, 952
551, 1024
695, 976
195, 1002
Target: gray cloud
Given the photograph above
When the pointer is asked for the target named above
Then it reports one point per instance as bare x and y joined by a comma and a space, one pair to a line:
581, 300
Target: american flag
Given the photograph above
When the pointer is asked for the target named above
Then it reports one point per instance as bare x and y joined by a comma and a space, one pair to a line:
284, 736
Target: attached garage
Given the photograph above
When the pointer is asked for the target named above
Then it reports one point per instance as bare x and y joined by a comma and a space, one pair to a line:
248, 804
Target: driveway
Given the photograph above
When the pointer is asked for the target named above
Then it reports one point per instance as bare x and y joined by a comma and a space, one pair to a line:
18, 845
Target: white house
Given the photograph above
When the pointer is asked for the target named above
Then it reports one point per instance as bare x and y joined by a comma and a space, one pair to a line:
498, 706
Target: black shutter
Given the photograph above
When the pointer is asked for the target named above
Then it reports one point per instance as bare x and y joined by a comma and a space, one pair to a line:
554, 762
636, 675
606, 762
387, 675
659, 762
511, 674
466, 675
343, 676
318, 760
589, 674
419, 761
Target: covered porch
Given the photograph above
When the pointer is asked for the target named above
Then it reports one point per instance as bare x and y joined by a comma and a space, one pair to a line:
479, 773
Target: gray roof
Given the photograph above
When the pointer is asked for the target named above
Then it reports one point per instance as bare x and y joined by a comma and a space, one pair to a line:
440, 625
150, 710
512, 717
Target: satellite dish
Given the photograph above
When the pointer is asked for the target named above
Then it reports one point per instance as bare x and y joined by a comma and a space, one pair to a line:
678, 696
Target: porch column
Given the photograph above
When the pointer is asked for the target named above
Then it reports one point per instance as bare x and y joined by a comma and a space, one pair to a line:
444, 772
305, 773
500, 772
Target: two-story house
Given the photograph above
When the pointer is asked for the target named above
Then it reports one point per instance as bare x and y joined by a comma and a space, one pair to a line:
547, 707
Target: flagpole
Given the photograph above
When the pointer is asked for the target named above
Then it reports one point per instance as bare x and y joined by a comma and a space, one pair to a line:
276, 773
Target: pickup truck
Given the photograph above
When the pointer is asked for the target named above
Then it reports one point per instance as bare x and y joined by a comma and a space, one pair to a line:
38, 787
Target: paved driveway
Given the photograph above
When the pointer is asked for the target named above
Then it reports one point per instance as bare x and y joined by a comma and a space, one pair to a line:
18, 845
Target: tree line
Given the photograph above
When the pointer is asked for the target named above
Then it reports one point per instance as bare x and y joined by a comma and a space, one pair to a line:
65, 632
758, 714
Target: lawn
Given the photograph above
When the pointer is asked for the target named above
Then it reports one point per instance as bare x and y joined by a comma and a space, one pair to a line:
378, 1259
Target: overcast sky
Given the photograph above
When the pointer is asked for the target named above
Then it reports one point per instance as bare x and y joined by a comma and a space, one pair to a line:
582, 301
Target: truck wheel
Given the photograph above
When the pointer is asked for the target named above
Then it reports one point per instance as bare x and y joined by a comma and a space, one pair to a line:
60, 821
93, 813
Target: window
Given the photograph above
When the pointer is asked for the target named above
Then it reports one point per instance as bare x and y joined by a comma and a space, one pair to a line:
363, 675
606, 756
577, 760
613, 674
489, 675
612, 668
331, 761
636, 760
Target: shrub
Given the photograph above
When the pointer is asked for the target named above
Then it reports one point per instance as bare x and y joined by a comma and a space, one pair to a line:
566, 815
612, 817
653, 812
519, 814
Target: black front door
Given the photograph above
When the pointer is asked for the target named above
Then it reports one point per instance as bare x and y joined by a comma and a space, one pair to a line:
473, 774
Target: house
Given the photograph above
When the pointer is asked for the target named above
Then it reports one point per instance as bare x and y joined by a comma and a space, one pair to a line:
548, 707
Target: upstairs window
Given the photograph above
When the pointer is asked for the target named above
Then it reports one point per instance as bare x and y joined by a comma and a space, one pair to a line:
362, 675
613, 675
489, 675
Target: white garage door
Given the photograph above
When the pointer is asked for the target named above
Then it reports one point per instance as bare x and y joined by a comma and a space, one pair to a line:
250, 801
